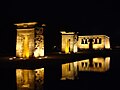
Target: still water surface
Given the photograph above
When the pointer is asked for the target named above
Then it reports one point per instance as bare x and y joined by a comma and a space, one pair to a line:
97, 73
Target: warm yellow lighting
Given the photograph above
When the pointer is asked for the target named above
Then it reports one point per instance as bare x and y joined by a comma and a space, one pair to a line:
25, 31
30, 40
107, 43
42, 51
63, 32
43, 24
107, 63
99, 64
29, 23
83, 65
99, 42
26, 47
39, 74
67, 47
39, 52
14, 57
70, 70
68, 41
25, 42
21, 58
10, 58
25, 79
75, 49
39, 58
46, 56
60, 52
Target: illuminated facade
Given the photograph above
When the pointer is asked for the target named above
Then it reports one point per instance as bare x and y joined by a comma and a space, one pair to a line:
30, 40
69, 42
71, 70
94, 42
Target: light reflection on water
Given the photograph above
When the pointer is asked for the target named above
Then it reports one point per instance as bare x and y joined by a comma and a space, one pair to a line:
30, 79
34, 79
70, 70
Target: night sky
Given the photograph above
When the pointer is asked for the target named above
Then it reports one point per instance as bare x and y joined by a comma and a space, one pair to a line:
86, 17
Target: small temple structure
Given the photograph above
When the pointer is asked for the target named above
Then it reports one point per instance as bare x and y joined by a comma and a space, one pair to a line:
71, 42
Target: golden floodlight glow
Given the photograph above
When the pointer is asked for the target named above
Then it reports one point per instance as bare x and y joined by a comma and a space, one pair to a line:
69, 42
42, 51
10, 58
25, 79
75, 49
29, 23
39, 52
67, 47
94, 42
30, 79
107, 63
26, 48
107, 43
83, 65
30, 40
99, 65
40, 73
63, 32
70, 70
43, 24
25, 42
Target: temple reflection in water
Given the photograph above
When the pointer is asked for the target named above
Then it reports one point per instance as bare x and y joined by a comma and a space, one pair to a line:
34, 79
30, 79
70, 70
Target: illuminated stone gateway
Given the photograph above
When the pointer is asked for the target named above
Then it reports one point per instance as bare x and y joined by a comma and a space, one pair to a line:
71, 42
30, 40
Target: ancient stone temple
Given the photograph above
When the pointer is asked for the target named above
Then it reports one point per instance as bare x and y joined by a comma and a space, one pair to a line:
69, 42
30, 39
94, 42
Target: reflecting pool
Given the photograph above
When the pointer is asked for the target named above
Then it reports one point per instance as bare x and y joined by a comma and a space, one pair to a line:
98, 64
30, 79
